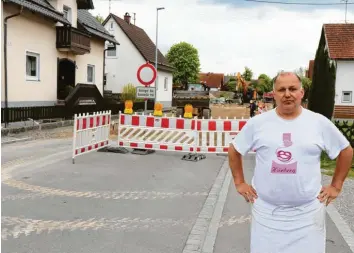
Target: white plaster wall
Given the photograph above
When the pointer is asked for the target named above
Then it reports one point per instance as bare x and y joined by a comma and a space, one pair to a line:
59, 4
344, 81
122, 69
95, 57
38, 35
164, 95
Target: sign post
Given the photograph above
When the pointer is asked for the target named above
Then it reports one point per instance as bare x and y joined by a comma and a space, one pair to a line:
146, 75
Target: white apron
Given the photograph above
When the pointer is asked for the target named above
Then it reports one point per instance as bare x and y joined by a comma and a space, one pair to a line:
281, 229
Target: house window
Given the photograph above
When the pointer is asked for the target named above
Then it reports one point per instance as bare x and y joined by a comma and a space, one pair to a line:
32, 66
166, 83
67, 13
111, 52
90, 73
347, 96
111, 26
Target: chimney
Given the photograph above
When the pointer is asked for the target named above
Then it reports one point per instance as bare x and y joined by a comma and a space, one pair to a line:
127, 17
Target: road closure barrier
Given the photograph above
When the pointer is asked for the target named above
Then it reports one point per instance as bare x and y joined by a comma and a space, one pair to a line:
197, 137
91, 132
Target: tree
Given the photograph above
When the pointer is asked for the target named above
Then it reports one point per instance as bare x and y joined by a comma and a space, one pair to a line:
99, 18
306, 82
184, 58
247, 74
322, 91
265, 82
231, 85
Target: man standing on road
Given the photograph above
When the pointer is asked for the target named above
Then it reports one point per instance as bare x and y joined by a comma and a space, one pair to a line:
288, 200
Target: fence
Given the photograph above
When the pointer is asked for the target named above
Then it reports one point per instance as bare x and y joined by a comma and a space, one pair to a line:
91, 132
196, 136
16, 114
347, 128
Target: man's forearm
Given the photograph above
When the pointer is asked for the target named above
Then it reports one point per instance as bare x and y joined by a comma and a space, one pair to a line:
343, 165
235, 162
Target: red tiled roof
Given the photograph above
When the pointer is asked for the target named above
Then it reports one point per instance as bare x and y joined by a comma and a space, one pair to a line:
213, 80
141, 41
340, 40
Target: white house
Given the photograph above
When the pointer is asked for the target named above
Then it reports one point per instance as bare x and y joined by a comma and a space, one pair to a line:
339, 41
136, 48
51, 46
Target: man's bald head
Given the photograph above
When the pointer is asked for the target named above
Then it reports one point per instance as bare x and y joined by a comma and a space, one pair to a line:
283, 74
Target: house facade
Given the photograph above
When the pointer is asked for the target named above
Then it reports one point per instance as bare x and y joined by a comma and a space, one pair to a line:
215, 81
136, 48
51, 47
339, 41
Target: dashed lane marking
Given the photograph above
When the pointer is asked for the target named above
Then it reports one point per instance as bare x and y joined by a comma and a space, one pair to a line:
14, 227
42, 192
234, 220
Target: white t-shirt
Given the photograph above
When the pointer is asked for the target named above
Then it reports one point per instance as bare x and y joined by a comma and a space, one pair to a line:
288, 154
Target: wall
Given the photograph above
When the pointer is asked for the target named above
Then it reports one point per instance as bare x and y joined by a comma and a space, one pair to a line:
122, 69
344, 81
43, 92
29, 27
164, 96
58, 4
95, 57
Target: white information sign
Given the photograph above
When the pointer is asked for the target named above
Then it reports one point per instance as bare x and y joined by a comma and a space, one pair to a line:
145, 92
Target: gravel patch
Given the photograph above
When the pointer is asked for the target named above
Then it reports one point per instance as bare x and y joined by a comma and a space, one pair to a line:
345, 202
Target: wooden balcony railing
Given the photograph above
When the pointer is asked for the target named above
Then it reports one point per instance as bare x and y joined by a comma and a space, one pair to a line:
72, 39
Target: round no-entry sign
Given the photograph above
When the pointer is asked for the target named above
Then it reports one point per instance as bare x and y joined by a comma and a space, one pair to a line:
146, 74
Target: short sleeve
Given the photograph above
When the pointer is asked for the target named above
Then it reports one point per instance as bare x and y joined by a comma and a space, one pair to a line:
333, 139
243, 141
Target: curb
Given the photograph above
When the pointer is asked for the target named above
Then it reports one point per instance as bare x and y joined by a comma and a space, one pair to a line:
17, 140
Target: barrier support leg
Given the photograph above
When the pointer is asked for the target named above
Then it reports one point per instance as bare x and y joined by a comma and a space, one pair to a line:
139, 151
194, 157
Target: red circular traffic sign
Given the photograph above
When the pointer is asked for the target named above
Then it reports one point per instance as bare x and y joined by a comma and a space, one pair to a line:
154, 74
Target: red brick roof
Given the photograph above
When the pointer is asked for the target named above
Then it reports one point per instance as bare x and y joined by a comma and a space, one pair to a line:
213, 80
142, 42
340, 40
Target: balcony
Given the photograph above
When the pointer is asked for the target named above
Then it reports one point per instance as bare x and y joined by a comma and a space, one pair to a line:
72, 39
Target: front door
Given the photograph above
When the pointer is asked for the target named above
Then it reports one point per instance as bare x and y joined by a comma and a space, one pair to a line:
66, 77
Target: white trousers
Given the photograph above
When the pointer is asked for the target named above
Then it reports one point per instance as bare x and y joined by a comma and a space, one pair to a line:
281, 229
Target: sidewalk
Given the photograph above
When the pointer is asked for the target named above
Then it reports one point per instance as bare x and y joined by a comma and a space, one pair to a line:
234, 238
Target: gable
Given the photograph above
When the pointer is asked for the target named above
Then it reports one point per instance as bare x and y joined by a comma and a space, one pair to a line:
142, 42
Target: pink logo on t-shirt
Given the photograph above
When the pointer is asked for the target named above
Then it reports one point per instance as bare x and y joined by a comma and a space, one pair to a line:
285, 156
284, 168
282, 154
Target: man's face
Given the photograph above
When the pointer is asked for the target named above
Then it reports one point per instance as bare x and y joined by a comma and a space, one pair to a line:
288, 92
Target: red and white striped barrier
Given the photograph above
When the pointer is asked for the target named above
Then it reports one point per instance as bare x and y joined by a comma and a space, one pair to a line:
156, 133
177, 134
215, 135
91, 132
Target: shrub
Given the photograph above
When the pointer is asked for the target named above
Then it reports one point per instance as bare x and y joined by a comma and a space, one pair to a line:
129, 92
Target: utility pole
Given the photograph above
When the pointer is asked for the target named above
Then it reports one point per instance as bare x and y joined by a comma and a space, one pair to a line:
346, 9
157, 32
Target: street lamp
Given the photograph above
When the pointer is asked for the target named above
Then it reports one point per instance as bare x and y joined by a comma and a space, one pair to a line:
157, 32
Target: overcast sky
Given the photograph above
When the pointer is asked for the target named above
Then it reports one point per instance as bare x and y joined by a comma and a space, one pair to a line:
232, 34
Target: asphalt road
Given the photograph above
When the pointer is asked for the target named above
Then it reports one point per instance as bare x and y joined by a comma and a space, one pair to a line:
108, 202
